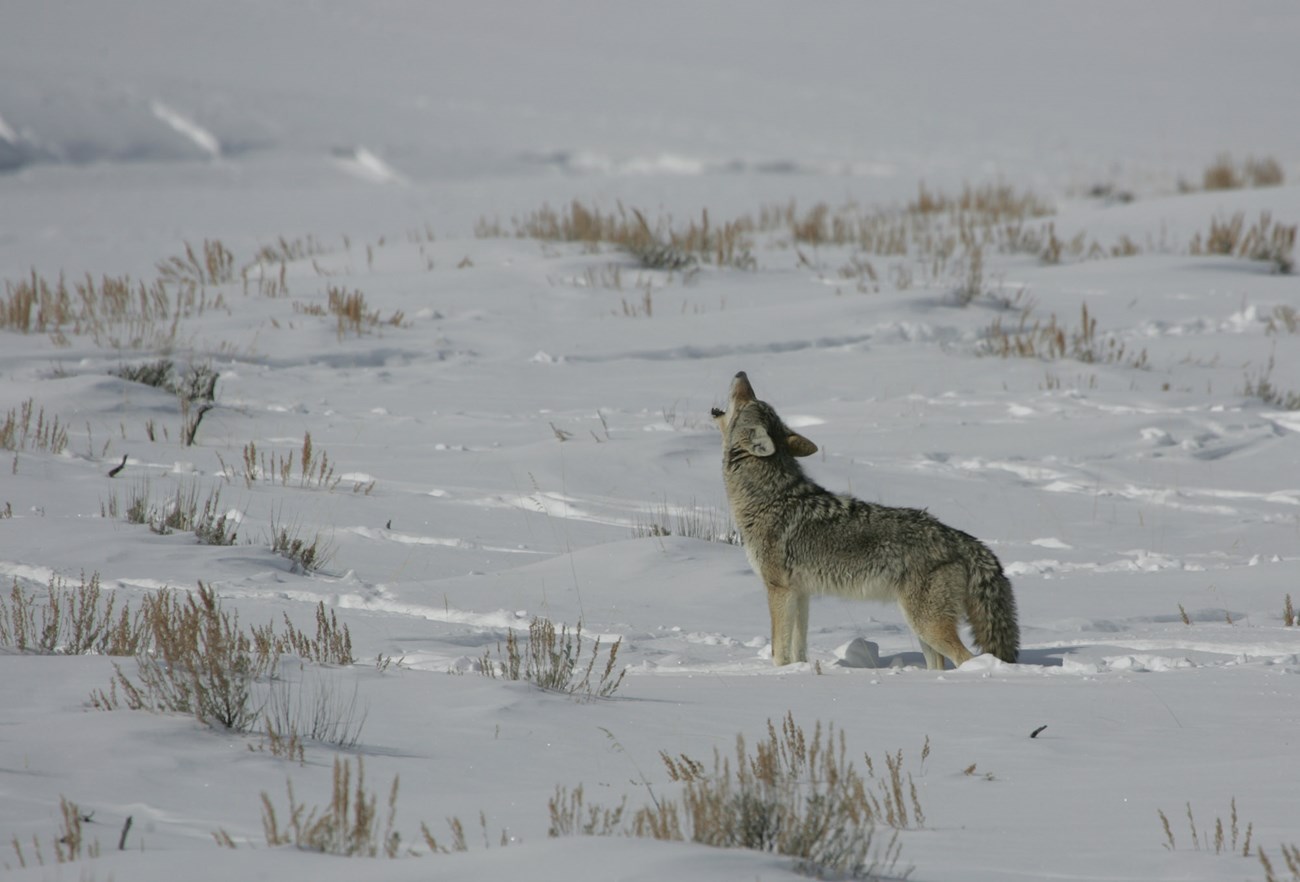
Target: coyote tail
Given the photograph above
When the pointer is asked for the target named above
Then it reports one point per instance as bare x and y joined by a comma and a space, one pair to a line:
991, 608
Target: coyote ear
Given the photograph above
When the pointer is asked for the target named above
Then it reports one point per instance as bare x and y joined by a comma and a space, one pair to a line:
757, 442
799, 445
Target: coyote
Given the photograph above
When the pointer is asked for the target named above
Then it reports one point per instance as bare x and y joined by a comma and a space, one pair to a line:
802, 540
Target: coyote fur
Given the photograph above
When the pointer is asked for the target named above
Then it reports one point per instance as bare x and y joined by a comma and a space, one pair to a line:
801, 540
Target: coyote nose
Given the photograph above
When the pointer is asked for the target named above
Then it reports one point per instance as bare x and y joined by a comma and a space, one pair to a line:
741, 390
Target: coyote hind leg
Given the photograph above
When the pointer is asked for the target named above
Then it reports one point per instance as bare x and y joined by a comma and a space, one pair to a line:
934, 618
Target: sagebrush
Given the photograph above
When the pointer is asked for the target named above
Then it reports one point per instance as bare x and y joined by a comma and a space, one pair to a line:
792, 795
552, 660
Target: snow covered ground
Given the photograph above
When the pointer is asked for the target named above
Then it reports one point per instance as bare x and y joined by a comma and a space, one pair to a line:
522, 413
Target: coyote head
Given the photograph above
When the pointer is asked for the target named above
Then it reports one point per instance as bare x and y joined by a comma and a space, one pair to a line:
750, 426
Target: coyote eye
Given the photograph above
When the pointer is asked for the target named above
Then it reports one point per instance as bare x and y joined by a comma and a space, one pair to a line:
716, 413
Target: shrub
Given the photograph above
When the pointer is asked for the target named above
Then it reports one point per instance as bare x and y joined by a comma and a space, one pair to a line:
1265, 240
210, 526
1225, 174
331, 646
553, 661
348, 826
792, 795
304, 556
316, 711
197, 661
1221, 174
68, 620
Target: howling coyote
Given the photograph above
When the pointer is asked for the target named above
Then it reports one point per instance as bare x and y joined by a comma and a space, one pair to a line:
802, 540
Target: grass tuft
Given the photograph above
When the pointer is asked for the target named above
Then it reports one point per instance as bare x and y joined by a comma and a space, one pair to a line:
1052, 341
349, 826
18, 433
1225, 840
1263, 241
216, 266
792, 795
1290, 857
552, 661
198, 661
68, 620
1226, 174
691, 521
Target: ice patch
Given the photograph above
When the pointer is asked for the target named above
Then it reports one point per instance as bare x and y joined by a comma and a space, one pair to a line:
1050, 542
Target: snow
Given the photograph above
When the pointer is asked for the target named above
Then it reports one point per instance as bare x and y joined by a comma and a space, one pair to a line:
501, 446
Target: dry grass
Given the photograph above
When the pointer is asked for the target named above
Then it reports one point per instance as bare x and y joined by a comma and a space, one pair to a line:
284, 250
68, 620
314, 470
348, 826
216, 266
192, 657
1260, 385
181, 512
69, 842
997, 202
1222, 174
552, 661
1051, 341
1284, 318
18, 433
691, 521
1225, 839
115, 312
312, 709
198, 662
304, 555
352, 824
792, 795
332, 644
196, 390
1227, 174
659, 246
1263, 241
1290, 857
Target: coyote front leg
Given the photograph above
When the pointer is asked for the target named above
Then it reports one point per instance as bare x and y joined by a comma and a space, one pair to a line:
789, 610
